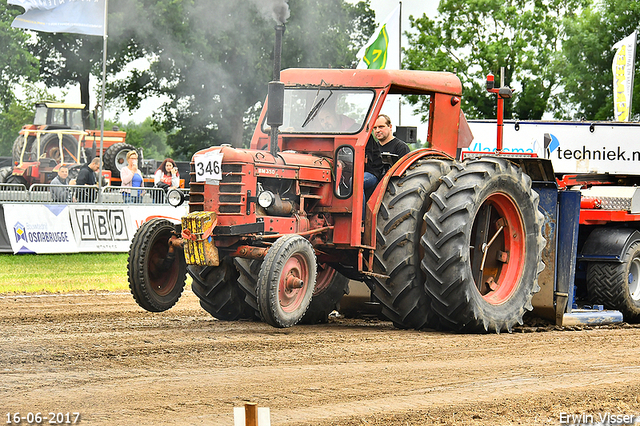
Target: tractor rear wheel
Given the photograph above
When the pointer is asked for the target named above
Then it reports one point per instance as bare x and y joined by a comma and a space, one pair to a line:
400, 224
329, 289
156, 272
16, 151
218, 291
17, 179
617, 285
5, 172
286, 281
483, 246
115, 157
50, 148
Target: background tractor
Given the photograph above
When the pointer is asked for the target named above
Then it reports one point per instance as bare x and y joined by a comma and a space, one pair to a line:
57, 136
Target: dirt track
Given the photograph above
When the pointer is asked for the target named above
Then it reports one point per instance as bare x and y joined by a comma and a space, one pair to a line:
102, 356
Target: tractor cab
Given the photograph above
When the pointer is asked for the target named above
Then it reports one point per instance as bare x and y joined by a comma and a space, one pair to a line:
56, 115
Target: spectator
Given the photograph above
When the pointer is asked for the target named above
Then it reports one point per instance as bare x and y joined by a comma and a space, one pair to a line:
167, 176
59, 193
132, 178
87, 177
391, 148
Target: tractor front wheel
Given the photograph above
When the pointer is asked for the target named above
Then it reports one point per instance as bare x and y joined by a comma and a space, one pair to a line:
330, 287
156, 271
286, 281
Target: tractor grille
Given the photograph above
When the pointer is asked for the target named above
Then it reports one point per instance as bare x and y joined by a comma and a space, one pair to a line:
230, 191
230, 201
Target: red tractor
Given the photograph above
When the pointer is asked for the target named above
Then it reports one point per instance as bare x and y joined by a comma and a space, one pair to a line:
57, 136
275, 231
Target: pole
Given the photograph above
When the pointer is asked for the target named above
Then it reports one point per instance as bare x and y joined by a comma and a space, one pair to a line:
400, 63
104, 86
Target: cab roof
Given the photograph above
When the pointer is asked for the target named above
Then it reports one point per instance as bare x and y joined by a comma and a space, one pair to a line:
402, 82
51, 104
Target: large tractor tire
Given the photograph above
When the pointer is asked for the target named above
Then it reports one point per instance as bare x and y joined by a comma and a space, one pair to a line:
330, 287
219, 293
115, 157
248, 280
5, 172
16, 151
17, 179
483, 246
399, 227
50, 148
286, 281
617, 285
156, 273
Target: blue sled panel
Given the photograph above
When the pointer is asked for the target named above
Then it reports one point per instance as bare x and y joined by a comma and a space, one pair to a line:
591, 317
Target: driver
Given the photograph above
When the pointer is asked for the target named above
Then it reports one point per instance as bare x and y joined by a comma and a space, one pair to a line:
332, 122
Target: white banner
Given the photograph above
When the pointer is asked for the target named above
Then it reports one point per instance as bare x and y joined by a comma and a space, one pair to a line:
59, 228
573, 147
623, 68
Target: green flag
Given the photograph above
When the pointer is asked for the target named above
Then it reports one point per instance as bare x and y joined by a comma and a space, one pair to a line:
375, 56
382, 51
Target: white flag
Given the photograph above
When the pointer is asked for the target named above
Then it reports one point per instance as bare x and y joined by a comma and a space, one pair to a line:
382, 51
62, 16
623, 67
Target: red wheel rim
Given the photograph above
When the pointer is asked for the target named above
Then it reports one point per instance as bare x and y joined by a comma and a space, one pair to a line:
325, 276
295, 273
161, 281
498, 269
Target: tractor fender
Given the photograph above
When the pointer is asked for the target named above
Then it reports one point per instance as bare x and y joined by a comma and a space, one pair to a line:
608, 244
398, 169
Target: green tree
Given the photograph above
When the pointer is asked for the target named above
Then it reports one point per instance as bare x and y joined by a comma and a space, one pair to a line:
212, 60
18, 65
586, 71
153, 142
473, 38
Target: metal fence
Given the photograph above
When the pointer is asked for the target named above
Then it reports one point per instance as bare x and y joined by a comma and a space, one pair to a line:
65, 194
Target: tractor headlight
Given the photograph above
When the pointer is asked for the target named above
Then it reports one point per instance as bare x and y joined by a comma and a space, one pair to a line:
175, 197
266, 199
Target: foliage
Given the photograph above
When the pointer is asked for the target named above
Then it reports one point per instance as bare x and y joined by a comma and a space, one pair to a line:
586, 70
213, 67
153, 143
18, 65
473, 38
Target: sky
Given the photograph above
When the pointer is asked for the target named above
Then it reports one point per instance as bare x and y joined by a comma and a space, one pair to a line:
382, 9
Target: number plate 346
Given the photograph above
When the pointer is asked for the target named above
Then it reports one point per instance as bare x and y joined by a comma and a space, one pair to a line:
208, 166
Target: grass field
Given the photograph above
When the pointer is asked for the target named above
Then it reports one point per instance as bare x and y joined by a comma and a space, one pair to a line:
63, 273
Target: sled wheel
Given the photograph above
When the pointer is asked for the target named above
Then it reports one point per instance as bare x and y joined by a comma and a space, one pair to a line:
617, 285
219, 293
286, 281
483, 246
400, 224
329, 289
50, 148
156, 273
115, 157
